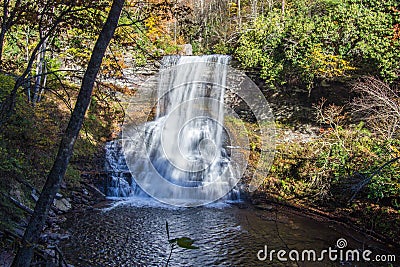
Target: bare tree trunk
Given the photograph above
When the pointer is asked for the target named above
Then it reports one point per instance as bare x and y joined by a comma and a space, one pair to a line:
239, 15
2, 36
38, 76
28, 82
44, 81
39, 72
54, 179
3, 27
254, 9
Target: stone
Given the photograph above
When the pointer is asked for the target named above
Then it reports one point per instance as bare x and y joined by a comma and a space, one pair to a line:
187, 50
62, 204
16, 193
34, 196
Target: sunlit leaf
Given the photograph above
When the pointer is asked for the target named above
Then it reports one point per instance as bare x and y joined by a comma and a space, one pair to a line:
186, 242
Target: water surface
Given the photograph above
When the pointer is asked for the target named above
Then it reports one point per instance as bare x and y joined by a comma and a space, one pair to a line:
227, 235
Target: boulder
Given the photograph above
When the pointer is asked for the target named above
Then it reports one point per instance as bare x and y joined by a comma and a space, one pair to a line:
187, 50
62, 204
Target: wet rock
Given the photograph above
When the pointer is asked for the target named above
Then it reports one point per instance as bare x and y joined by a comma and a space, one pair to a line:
52, 238
52, 221
23, 222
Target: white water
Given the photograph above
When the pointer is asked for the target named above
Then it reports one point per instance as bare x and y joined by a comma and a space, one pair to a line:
180, 157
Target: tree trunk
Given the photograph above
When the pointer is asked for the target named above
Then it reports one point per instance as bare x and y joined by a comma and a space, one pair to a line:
54, 179
44, 81
2, 36
239, 14
254, 9
3, 30
39, 72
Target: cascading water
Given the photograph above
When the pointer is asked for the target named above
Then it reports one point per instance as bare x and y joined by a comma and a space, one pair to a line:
182, 156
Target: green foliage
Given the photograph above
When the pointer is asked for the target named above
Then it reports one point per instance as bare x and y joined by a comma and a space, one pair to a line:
6, 85
186, 242
331, 167
323, 39
260, 46
10, 215
222, 48
12, 160
72, 176
9, 160
29, 141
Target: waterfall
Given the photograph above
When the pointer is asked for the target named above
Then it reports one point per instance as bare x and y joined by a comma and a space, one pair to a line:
181, 155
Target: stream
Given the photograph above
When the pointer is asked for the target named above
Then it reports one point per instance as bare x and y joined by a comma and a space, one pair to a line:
133, 233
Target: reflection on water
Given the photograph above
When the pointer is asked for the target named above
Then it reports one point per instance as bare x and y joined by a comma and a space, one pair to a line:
227, 236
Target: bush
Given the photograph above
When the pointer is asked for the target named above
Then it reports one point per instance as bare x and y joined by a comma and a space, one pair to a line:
323, 40
379, 105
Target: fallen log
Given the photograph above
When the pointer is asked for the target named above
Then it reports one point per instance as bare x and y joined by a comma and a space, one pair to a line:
94, 189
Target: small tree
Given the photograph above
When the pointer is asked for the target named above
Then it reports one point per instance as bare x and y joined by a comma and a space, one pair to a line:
379, 105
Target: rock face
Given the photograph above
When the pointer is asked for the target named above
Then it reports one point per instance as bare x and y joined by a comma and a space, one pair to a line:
187, 50
62, 204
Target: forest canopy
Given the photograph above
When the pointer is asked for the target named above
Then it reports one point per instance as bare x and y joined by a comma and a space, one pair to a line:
313, 40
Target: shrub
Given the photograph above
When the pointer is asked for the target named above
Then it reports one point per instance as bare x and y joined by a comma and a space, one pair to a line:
379, 105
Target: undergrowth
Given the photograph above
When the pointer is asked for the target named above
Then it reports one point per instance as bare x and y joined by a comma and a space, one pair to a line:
29, 142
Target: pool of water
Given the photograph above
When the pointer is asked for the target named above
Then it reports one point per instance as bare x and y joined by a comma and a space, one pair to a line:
132, 234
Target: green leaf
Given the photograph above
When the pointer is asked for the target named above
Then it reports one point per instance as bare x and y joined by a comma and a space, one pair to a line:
186, 242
